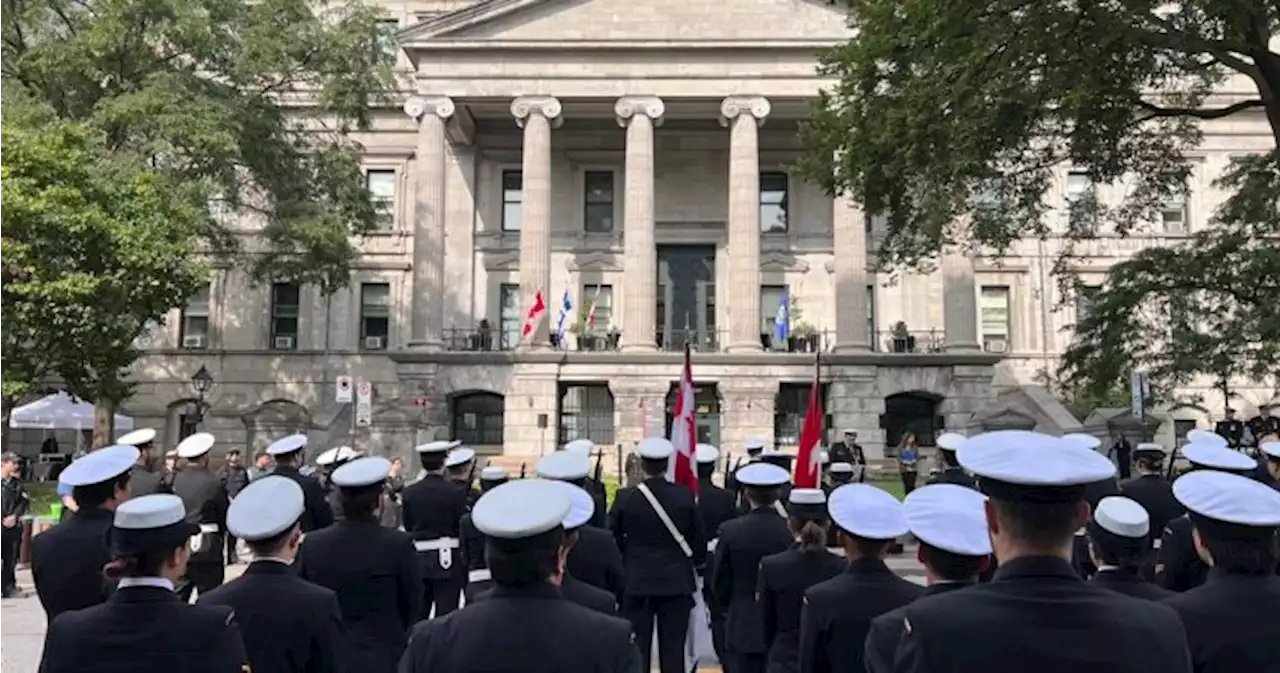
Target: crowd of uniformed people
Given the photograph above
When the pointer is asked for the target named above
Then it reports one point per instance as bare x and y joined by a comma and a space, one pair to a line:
1036, 559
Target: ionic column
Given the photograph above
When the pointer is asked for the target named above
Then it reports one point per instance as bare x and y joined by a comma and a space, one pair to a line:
959, 294
849, 236
639, 115
744, 115
427, 305
537, 115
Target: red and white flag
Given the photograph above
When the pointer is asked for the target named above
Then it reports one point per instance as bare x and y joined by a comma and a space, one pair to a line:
534, 315
680, 470
591, 314
808, 457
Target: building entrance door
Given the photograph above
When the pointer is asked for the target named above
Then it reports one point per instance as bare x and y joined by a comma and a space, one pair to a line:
686, 298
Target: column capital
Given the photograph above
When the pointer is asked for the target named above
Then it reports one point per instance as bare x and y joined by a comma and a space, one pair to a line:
735, 106
547, 106
630, 106
418, 107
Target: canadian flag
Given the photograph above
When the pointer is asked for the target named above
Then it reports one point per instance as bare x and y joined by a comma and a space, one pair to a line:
808, 456
535, 313
680, 470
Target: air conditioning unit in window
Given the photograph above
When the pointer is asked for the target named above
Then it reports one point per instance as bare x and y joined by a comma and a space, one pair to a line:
373, 343
194, 341
997, 345
282, 343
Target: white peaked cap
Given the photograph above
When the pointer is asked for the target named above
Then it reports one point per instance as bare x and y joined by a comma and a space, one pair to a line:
1230, 498
949, 517
950, 440
655, 448
563, 465
361, 472
581, 506
137, 437
521, 509
149, 511
807, 496
328, 457
287, 445
1199, 436
1082, 440
754, 444
438, 446
1121, 516
841, 468
761, 474
580, 445
1032, 459
195, 445
1271, 449
1207, 454
867, 511
1150, 447
459, 456
706, 453
101, 465
265, 508
493, 473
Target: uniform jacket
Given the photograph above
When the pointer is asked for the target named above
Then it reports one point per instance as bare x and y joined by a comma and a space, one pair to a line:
1155, 494
1231, 623
837, 614
523, 630
1232, 431
316, 513
1178, 566
653, 561
886, 631
144, 629
954, 475
597, 561
1260, 427
433, 509
1030, 617
472, 541
715, 506
67, 561
735, 569
144, 482
1129, 584
235, 479
205, 499
845, 453
600, 517
374, 571
782, 582
288, 624
574, 591
15, 500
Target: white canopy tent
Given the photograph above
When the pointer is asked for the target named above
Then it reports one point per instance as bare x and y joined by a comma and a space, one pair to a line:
60, 411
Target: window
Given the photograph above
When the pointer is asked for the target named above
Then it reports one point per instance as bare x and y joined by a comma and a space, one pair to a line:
382, 192
994, 311
773, 202
789, 408
1180, 429
387, 47
477, 418
598, 201
375, 315
871, 316
1173, 211
773, 305
285, 298
586, 412
598, 300
194, 326
874, 222
1085, 295
1079, 195
509, 315
512, 200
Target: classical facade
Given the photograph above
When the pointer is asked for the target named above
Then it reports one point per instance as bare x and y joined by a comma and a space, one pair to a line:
633, 158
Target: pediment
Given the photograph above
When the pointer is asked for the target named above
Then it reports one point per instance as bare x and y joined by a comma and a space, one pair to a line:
782, 261
568, 21
594, 261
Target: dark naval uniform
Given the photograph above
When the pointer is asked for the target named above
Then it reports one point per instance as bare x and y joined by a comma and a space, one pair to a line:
838, 614
734, 573
1231, 623
1232, 431
1093, 494
205, 499
67, 561
375, 574
144, 628
1037, 615
288, 624
783, 580
1155, 494
1261, 427
886, 630
433, 510
597, 561
522, 630
1178, 566
316, 513
144, 482
954, 475
574, 591
715, 505
471, 542
600, 517
1130, 584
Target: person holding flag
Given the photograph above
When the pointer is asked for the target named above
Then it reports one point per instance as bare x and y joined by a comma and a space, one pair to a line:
562, 318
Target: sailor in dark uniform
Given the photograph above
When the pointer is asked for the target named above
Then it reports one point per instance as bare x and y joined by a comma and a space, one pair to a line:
848, 450
840, 474
785, 576
1120, 544
144, 626
1230, 429
755, 448
838, 612
459, 467
1179, 566
715, 506
1150, 489
67, 560
782, 460
1093, 494
741, 544
950, 471
1269, 463
572, 467
479, 579
524, 622
1037, 614
287, 454
433, 509
372, 568
327, 462
288, 624
205, 498
950, 522
145, 480
1231, 619
1264, 426
659, 560
593, 483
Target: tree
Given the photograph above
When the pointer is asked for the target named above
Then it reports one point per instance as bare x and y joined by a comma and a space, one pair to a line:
951, 119
241, 110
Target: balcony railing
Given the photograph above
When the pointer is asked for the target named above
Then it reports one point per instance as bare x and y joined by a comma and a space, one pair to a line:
910, 341
481, 339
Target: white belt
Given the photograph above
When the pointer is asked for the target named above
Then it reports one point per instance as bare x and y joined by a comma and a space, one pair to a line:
711, 545
1081, 533
209, 528
437, 544
481, 575
836, 550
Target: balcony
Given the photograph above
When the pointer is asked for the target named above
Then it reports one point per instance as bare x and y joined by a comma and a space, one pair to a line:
480, 340
909, 341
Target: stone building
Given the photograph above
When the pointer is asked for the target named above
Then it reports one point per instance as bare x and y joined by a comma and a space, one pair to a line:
633, 155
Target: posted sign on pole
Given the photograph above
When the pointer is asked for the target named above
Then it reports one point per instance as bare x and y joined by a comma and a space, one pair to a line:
1137, 393
364, 404
344, 389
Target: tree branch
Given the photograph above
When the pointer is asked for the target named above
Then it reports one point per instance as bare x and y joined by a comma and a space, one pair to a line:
1158, 112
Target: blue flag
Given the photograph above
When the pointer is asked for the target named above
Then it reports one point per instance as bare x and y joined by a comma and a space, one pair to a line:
566, 307
781, 326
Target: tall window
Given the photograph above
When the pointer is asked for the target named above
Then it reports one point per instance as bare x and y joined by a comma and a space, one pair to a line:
1085, 295
1173, 211
477, 418
512, 200
1079, 192
387, 47
871, 316
586, 412
789, 407
375, 315
598, 300
509, 315
875, 222
285, 299
382, 192
598, 201
194, 326
773, 202
994, 309
771, 296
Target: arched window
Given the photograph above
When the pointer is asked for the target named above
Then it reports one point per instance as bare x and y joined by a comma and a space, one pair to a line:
477, 418
914, 412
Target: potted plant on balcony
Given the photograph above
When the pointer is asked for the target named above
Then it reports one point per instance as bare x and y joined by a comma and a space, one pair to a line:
804, 337
579, 329
903, 342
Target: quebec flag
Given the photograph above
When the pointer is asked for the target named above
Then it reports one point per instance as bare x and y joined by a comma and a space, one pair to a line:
781, 326
566, 308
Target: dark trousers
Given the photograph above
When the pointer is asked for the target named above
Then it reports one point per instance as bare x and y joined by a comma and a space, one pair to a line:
9, 541
671, 614
202, 577
232, 556
443, 594
909, 481
717, 626
749, 662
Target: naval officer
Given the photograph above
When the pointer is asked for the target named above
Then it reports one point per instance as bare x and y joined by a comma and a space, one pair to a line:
1150, 489
144, 626
459, 466
287, 454
372, 568
593, 484
433, 507
289, 625
144, 480
1120, 544
594, 558
950, 471
479, 579
67, 560
204, 496
525, 623
950, 522
715, 506
327, 462
1036, 614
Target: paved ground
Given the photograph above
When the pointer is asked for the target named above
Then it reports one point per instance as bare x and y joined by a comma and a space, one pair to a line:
22, 622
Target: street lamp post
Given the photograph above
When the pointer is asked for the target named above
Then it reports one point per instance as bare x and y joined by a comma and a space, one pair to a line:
202, 382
